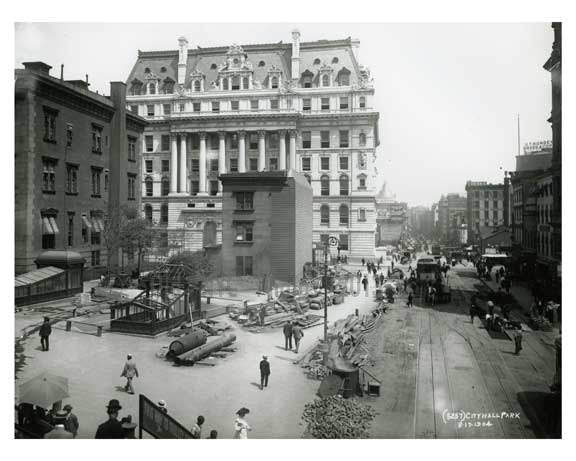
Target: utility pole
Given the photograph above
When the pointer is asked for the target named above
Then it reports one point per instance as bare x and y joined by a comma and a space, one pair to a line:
326, 293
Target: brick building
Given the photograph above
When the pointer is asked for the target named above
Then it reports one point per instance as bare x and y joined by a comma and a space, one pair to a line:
487, 208
76, 158
266, 224
303, 106
452, 224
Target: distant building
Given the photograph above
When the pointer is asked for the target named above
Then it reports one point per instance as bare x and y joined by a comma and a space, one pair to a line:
421, 220
266, 224
303, 106
77, 158
391, 217
527, 213
452, 223
487, 208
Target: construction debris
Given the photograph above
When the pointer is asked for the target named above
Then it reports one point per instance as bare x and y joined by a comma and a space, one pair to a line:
199, 353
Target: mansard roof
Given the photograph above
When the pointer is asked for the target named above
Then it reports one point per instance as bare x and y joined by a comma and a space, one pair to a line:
272, 54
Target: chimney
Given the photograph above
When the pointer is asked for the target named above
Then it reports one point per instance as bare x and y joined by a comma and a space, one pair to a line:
295, 54
182, 59
38, 66
61, 71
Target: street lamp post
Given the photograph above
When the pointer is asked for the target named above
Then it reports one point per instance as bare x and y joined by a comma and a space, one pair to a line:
326, 293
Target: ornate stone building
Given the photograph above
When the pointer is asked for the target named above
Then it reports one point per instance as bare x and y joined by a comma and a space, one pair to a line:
304, 106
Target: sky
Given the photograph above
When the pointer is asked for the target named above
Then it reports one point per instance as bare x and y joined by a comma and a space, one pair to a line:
448, 94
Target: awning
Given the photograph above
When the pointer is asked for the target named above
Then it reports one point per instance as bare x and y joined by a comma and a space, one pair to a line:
54, 225
86, 222
46, 226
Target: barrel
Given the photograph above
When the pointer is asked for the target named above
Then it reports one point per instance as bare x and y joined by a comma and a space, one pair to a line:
195, 338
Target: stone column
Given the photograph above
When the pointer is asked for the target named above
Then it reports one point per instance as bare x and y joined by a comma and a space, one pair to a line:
222, 153
202, 167
282, 141
293, 149
174, 165
241, 152
261, 150
182, 168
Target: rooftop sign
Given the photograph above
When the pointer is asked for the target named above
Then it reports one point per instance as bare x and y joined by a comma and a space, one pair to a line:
539, 146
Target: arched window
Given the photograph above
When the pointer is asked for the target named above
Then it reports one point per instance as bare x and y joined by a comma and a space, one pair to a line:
245, 83
136, 88
274, 82
324, 185
224, 83
152, 88
344, 218
325, 80
149, 186
307, 79
164, 213
197, 85
344, 185
325, 214
362, 182
362, 102
362, 139
209, 234
165, 186
169, 87
148, 213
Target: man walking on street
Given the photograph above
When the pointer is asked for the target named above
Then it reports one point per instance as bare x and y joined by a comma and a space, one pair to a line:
45, 332
130, 370
517, 341
111, 429
410, 300
264, 372
287, 335
365, 283
298, 335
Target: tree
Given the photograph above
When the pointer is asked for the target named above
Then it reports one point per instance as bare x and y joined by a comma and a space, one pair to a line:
112, 232
337, 418
196, 260
136, 236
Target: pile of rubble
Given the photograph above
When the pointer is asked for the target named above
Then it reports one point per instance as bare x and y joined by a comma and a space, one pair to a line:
291, 304
346, 344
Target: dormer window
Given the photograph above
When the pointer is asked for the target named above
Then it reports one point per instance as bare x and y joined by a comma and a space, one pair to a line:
317, 61
334, 60
197, 86
235, 82
136, 88
225, 84
344, 77
307, 77
325, 80
261, 64
274, 82
151, 88
246, 83
163, 69
168, 86
326, 76
147, 70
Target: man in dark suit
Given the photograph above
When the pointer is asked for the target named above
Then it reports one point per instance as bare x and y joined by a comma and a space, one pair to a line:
111, 429
45, 332
264, 372
287, 335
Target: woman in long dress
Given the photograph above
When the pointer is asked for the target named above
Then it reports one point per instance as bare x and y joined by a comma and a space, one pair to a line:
241, 426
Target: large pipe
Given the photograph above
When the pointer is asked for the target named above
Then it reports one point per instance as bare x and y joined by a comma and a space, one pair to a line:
204, 351
195, 338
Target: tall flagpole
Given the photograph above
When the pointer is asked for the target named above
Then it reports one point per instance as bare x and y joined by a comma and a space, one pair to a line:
518, 132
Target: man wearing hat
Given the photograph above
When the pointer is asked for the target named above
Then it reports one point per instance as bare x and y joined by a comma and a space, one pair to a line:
59, 431
130, 370
162, 406
264, 372
111, 429
45, 332
71, 423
